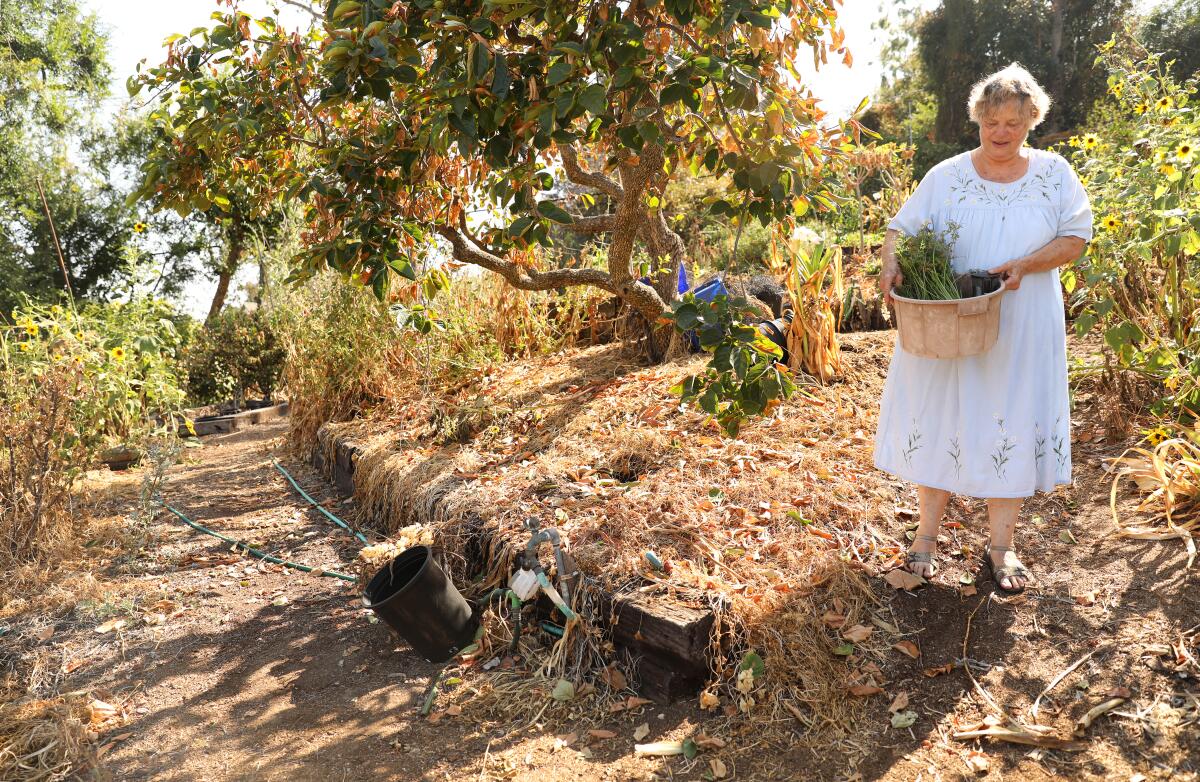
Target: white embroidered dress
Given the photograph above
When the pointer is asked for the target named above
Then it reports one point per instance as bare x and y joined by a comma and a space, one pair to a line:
996, 424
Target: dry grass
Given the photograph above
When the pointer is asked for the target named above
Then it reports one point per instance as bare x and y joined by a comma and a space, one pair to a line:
1169, 476
771, 530
44, 740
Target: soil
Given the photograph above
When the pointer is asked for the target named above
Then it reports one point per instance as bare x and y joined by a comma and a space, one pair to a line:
231, 669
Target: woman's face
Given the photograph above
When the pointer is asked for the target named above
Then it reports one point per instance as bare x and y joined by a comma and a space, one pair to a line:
1002, 132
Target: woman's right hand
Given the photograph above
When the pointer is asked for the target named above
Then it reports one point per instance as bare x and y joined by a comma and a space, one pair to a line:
889, 278
889, 273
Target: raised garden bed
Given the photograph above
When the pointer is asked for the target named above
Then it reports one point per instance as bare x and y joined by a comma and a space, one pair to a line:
234, 422
668, 642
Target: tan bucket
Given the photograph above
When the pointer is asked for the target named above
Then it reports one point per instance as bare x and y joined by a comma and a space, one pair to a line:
948, 329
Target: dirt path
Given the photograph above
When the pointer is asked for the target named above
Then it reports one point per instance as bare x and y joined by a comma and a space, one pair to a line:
228, 669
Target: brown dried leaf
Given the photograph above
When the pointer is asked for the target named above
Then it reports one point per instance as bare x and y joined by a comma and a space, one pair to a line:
705, 741
718, 768
865, 690
833, 619
909, 648
902, 579
709, 700
641, 731
938, 670
976, 761
453, 711
110, 625
597, 733
858, 633
899, 703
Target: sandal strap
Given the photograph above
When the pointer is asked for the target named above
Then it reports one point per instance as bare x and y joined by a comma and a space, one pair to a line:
999, 548
1009, 572
919, 556
925, 537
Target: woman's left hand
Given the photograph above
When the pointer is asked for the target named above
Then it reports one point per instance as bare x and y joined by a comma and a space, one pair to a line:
1012, 272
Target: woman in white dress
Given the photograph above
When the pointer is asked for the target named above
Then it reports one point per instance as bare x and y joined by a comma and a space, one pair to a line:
995, 425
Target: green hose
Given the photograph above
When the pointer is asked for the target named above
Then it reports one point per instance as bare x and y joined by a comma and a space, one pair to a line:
256, 552
328, 515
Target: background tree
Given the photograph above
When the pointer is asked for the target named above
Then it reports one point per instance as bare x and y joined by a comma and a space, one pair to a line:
53, 77
933, 58
396, 122
1173, 29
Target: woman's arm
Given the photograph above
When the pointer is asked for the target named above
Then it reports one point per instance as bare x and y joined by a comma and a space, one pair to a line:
889, 271
1063, 249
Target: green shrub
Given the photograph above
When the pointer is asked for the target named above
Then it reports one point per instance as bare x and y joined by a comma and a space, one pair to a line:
236, 354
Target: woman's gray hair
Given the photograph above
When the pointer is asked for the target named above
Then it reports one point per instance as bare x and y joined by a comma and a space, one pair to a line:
1011, 83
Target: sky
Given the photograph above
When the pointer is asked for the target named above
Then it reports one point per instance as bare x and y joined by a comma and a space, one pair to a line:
138, 27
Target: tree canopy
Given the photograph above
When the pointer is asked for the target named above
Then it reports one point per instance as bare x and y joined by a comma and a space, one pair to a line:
399, 122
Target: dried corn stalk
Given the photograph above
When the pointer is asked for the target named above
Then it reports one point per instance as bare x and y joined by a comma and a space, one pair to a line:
1169, 475
814, 281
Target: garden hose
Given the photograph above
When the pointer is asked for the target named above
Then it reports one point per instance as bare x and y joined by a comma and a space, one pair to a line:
255, 552
328, 515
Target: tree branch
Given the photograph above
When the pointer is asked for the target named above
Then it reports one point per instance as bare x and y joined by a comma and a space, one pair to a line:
597, 224
591, 179
519, 276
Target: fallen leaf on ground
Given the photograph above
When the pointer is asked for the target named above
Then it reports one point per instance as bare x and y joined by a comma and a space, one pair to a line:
100, 711
453, 711
709, 700
565, 740
833, 619
865, 690
641, 731
976, 761
909, 648
597, 733
705, 741
633, 702
858, 633
1086, 720
902, 579
1119, 692
110, 625
969, 591
904, 719
938, 670
563, 690
614, 678
718, 768
899, 703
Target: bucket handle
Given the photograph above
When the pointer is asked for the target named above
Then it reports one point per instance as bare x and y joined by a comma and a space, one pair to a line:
973, 306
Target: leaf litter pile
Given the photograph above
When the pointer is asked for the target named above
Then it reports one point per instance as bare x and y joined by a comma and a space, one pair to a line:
772, 531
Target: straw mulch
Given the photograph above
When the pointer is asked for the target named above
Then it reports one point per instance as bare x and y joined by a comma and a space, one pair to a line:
44, 740
773, 530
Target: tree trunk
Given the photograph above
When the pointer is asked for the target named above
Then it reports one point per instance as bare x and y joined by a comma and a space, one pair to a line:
233, 259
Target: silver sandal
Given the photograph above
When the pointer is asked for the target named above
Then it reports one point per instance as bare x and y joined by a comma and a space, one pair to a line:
922, 557
1001, 573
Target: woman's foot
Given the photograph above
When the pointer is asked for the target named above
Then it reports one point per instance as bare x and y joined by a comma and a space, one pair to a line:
1007, 571
919, 558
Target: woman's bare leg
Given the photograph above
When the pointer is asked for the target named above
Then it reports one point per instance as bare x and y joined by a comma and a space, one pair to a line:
1002, 518
932, 508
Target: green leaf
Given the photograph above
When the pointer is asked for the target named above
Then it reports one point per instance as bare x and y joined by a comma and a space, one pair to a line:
904, 719
563, 691
751, 661
558, 73
593, 98
690, 749
554, 212
844, 650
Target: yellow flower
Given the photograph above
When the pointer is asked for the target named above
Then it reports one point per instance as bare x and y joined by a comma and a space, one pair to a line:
79, 335
117, 353
1167, 169
139, 228
24, 347
1140, 108
187, 422
1090, 141
1073, 141
1157, 435
31, 330
1164, 103
1117, 88
1111, 222
1185, 152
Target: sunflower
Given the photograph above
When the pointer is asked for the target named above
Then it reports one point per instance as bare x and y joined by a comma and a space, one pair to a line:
79, 336
1163, 103
1167, 169
1140, 108
1117, 89
118, 353
1111, 222
31, 329
1157, 435
1091, 141
24, 347
139, 227
1185, 152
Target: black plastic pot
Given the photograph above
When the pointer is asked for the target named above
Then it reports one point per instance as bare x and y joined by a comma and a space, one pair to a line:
414, 597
